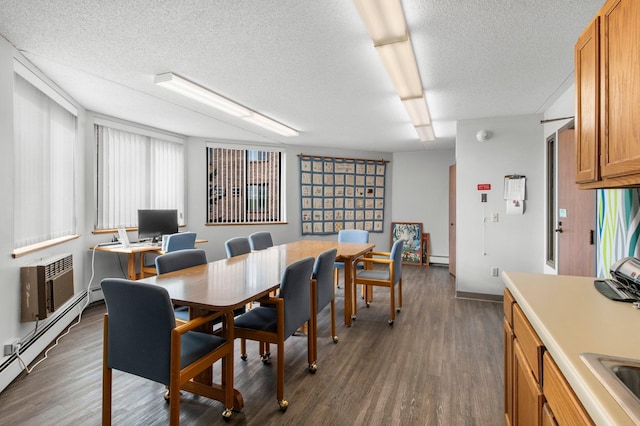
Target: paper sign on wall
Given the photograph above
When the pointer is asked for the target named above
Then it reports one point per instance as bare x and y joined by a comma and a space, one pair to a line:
514, 193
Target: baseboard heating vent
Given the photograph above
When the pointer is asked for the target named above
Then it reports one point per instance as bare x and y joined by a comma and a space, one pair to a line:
45, 286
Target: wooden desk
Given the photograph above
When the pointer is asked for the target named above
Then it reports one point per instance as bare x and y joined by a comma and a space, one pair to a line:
131, 252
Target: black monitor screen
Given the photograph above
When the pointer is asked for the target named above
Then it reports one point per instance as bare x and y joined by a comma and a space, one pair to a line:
153, 224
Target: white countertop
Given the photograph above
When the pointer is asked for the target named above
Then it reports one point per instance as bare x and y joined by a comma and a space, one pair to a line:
572, 317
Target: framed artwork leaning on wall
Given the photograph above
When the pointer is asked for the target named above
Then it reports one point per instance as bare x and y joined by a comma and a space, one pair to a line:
411, 233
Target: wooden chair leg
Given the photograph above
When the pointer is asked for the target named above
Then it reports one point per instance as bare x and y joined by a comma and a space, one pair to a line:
333, 321
392, 303
400, 294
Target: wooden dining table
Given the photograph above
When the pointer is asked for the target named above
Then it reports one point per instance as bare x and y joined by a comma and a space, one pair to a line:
227, 284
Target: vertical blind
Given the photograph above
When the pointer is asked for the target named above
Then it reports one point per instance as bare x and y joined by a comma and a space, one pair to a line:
44, 137
244, 185
137, 171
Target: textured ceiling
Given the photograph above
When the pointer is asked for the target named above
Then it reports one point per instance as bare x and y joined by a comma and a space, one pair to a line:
307, 64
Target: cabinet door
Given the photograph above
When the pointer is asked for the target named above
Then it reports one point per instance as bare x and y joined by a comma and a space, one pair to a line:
508, 372
620, 88
528, 398
587, 67
563, 402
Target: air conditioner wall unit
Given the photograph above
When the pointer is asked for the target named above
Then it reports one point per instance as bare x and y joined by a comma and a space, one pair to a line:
45, 286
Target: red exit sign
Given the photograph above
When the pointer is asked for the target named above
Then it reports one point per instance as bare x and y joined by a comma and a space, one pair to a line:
484, 186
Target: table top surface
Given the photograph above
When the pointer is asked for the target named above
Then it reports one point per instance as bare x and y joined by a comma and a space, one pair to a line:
231, 283
134, 247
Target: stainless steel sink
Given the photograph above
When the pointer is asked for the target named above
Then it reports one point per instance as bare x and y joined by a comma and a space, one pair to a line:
621, 377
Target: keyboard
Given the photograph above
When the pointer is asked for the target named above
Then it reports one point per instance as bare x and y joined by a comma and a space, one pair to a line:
613, 290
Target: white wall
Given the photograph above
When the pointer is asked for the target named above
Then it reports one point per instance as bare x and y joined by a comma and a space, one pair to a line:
281, 233
514, 243
420, 193
10, 325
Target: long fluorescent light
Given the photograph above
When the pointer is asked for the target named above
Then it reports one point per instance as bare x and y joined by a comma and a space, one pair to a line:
401, 66
418, 111
269, 124
425, 133
384, 20
386, 25
194, 91
201, 94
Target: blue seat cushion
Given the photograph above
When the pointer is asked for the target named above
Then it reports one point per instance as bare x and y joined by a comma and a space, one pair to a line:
194, 345
340, 265
263, 318
374, 274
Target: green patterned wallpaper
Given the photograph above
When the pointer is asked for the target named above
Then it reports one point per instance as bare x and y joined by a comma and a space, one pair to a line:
618, 216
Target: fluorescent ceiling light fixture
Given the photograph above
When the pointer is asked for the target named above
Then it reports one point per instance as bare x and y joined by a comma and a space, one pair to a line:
425, 133
384, 20
418, 111
269, 124
401, 66
201, 94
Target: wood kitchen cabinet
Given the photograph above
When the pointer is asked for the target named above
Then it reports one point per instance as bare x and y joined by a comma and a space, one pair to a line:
536, 392
607, 65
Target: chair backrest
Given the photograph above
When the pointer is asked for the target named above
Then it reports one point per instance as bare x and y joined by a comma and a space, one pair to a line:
180, 259
295, 290
323, 274
179, 241
140, 321
260, 240
237, 246
353, 236
396, 256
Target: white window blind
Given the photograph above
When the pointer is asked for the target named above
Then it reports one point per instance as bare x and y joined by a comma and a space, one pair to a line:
137, 171
245, 185
44, 137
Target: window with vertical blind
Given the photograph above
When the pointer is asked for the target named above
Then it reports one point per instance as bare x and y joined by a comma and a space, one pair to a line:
45, 126
245, 185
137, 169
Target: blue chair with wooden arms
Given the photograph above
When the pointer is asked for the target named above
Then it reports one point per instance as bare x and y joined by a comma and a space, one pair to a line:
323, 289
389, 277
260, 240
237, 246
141, 338
277, 318
350, 236
170, 243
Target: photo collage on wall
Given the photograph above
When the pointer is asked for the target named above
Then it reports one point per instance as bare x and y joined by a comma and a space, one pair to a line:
341, 193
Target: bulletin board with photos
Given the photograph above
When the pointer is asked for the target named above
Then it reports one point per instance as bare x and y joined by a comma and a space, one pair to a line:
341, 193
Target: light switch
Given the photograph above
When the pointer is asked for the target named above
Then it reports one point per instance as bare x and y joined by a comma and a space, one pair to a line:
494, 217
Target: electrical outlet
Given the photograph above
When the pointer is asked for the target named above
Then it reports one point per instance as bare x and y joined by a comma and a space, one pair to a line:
11, 346
494, 217
494, 272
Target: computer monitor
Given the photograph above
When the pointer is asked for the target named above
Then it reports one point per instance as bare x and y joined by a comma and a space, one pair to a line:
153, 224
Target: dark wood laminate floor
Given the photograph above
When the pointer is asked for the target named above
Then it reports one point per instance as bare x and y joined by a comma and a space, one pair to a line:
440, 364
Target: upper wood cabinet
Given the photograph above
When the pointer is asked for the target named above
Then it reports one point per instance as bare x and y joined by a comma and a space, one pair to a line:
607, 61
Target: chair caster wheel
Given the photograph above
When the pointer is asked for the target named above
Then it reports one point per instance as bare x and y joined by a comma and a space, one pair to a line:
266, 358
167, 396
368, 304
353, 317
313, 368
391, 323
335, 339
283, 405
226, 415
398, 310
243, 357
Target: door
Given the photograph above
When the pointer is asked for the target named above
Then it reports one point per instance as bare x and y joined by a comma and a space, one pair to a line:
452, 220
576, 213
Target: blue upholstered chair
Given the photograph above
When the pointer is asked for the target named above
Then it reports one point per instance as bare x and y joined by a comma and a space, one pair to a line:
387, 277
237, 246
260, 240
179, 241
141, 338
277, 318
170, 243
177, 260
322, 281
350, 236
